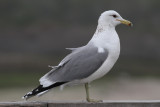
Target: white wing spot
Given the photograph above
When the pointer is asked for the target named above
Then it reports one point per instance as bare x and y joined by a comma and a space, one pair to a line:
100, 50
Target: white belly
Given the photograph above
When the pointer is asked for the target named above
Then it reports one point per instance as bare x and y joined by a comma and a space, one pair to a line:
105, 68
113, 55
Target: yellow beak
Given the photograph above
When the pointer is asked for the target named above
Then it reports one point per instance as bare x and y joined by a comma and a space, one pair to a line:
126, 22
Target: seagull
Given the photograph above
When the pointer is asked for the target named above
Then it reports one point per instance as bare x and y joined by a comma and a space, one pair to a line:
87, 63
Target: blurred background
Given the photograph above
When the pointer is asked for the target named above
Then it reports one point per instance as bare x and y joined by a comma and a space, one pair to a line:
35, 33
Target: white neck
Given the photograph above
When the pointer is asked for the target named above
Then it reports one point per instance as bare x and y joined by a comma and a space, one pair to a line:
104, 35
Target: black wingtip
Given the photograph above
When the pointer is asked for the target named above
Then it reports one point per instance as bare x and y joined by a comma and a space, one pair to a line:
40, 89
27, 96
33, 92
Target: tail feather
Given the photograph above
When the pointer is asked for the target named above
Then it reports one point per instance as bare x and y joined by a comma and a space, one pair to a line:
41, 90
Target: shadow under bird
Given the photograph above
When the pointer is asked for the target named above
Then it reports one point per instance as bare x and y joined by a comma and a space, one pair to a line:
89, 62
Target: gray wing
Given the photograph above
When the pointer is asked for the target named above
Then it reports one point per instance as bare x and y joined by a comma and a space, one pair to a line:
80, 64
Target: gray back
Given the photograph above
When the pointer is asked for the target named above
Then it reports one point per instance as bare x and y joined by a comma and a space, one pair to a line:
81, 63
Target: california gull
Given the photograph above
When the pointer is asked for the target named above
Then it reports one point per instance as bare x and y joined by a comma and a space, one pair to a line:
89, 62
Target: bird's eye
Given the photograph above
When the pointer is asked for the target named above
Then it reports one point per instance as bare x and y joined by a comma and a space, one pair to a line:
115, 16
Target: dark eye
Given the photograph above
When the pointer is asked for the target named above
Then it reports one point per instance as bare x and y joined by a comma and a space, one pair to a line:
115, 16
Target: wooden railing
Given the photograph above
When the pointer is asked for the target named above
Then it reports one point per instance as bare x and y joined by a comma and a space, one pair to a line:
149, 103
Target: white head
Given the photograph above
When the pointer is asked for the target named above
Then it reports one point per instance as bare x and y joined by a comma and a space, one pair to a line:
112, 18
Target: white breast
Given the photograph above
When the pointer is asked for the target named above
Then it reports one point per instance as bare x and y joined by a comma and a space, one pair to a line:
112, 44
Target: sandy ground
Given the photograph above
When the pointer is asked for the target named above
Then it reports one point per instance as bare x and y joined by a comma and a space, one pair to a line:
117, 89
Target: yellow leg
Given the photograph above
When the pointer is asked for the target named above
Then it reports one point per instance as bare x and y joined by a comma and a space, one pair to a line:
87, 94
